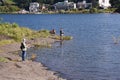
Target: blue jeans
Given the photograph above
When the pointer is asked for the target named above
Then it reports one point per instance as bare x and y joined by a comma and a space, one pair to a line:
23, 55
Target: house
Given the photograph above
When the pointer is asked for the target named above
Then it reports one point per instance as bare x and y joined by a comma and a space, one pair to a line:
65, 5
84, 4
34, 7
104, 3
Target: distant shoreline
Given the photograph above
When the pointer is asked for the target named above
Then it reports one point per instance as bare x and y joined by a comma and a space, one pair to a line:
84, 11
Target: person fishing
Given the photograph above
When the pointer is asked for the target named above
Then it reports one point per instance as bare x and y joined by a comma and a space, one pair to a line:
61, 34
23, 49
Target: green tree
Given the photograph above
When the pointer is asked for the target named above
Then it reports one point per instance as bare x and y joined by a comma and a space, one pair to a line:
55, 1
23, 3
115, 3
94, 3
40, 1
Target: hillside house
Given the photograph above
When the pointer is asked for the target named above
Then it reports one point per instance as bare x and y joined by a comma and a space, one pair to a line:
65, 5
34, 7
104, 3
84, 4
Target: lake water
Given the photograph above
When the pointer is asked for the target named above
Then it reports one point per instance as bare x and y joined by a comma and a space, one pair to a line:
90, 55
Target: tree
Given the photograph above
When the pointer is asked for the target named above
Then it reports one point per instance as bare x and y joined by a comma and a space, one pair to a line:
23, 3
49, 1
55, 1
94, 3
39, 1
115, 3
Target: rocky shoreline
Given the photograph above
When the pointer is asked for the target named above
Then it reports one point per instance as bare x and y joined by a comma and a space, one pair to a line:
15, 69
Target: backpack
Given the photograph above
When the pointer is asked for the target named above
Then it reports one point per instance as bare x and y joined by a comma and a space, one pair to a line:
22, 46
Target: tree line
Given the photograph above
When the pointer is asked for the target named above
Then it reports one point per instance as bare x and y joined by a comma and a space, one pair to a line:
115, 4
25, 3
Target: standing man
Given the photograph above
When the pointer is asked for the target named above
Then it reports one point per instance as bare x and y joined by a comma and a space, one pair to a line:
23, 49
61, 34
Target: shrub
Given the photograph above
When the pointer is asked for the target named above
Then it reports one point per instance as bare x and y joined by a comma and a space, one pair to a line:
93, 10
61, 11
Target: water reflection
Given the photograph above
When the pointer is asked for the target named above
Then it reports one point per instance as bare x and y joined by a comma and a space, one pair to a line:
61, 47
61, 43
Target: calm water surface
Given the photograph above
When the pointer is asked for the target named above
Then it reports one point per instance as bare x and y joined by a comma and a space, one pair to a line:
90, 55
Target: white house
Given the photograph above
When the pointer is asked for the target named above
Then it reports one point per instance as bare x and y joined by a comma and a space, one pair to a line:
104, 3
34, 7
84, 4
65, 5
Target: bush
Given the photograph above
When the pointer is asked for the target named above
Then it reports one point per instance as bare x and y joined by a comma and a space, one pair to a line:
117, 10
61, 11
93, 10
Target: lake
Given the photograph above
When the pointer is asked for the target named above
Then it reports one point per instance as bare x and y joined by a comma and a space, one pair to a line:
90, 55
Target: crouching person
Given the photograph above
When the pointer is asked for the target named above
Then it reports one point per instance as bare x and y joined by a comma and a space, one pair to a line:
53, 31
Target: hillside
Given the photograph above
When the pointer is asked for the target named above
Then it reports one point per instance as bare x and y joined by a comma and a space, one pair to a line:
9, 2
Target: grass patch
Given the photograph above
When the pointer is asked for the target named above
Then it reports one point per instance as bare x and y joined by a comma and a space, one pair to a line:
3, 42
2, 59
16, 33
67, 37
64, 37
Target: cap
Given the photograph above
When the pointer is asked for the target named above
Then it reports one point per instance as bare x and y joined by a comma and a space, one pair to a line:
24, 40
